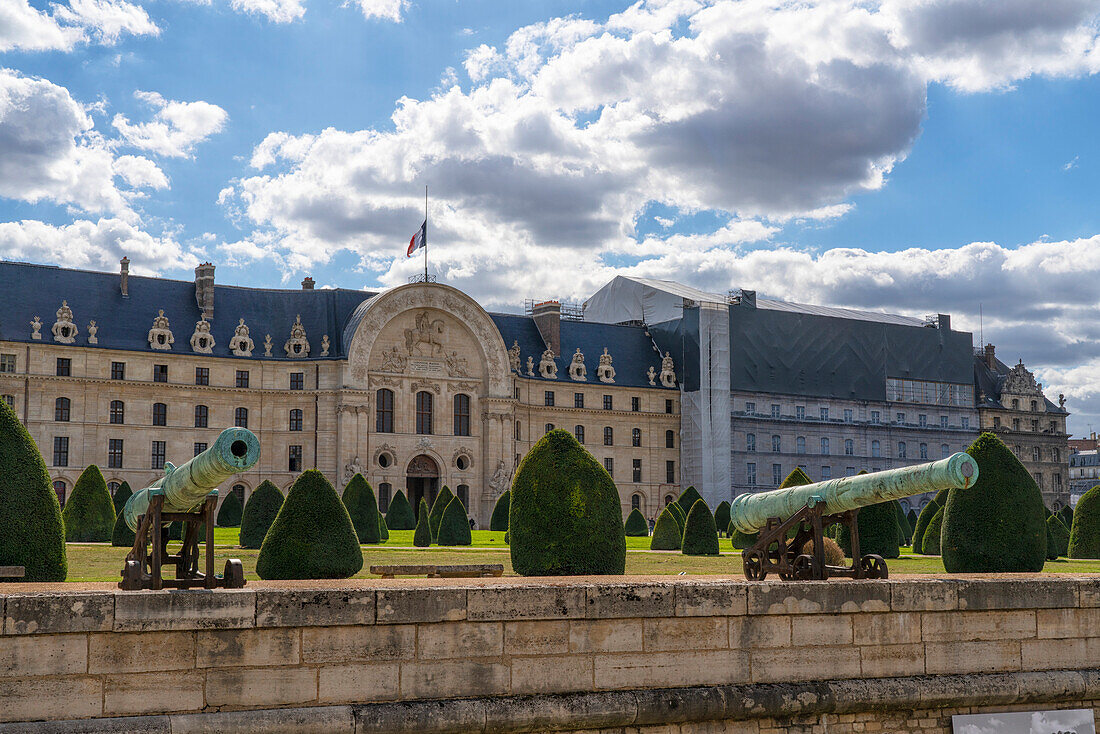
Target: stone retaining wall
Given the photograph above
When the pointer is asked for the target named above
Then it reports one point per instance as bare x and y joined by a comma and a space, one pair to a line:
566, 654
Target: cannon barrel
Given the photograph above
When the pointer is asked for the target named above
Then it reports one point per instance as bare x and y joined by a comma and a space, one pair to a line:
750, 512
185, 487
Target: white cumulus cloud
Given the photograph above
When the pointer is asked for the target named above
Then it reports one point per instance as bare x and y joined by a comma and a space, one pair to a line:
25, 28
176, 127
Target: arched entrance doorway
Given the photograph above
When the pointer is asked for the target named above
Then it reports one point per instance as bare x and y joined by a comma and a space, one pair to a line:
422, 480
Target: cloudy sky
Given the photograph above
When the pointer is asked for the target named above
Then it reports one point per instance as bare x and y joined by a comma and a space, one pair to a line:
913, 156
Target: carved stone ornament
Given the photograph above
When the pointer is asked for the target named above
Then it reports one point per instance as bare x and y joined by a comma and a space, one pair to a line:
547, 366
425, 339
160, 336
202, 341
577, 371
499, 481
424, 444
297, 346
383, 381
463, 452
513, 356
652, 375
605, 372
432, 386
267, 345
64, 330
1020, 381
1061, 400
530, 366
668, 371
352, 468
393, 360
241, 344
467, 386
456, 366
385, 449
324, 345
92, 330
36, 326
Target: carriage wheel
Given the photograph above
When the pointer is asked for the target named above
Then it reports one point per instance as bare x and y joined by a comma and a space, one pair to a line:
753, 562
873, 567
806, 568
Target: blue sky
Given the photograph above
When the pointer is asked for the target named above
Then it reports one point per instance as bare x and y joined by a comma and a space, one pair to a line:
912, 157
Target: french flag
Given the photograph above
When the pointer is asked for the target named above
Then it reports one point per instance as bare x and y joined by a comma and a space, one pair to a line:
420, 239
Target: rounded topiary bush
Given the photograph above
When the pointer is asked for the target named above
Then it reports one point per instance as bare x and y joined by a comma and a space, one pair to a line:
422, 538
454, 526
565, 517
121, 535
1084, 534
997, 525
312, 536
687, 500
362, 507
933, 535
666, 531
229, 514
400, 515
878, 531
435, 515
31, 532
1057, 537
636, 524
120, 496
722, 516
499, 520
834, 556
700, 532
259, 512
89, 514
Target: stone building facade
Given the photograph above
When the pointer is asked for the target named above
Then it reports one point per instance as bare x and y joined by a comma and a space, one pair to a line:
416, 387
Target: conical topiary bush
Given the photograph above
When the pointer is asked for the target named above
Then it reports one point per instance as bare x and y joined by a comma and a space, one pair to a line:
700, 532
636, 524
1066, 515
454, 526
229, 514
666, 532
400, 515
905, 532
89, 514
797, 478
878, 531
687, 500
564, 516
259, 512
363, 509
31, 533
422, 538
933, 535
383, 530
435, 515
926, 514
121, 535
679, 515
312, 536
1057, 538
499, 520
998, 524
1084, 534
121, 494
722, 516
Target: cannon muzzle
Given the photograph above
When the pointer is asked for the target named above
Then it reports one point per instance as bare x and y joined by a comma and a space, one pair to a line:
185, 487
750, 512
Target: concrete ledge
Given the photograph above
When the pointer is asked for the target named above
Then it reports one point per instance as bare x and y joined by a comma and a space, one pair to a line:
597, 710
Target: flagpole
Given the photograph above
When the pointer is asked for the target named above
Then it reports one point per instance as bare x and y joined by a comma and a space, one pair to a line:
425, 233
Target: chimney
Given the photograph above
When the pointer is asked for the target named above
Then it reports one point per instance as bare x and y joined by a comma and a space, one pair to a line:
204, 290
307, 284
990, 358
124, 276
547, 316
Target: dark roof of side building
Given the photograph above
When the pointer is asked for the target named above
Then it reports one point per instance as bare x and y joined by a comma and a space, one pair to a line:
1084, 458
988, 383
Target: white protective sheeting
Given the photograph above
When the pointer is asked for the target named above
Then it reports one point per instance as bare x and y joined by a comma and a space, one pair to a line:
642, 299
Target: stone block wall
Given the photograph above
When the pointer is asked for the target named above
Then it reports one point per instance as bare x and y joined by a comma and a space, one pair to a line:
688, 655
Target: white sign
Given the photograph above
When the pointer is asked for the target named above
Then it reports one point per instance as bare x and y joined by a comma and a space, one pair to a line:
426, 366
1073, 721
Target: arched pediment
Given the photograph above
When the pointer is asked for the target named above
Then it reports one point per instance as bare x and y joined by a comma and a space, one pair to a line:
425, 336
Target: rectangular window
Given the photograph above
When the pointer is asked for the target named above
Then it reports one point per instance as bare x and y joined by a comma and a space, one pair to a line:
202, 375
670, 439
114, 453
965, 422
578, 400
996, 421
61, 409
295, 459
158, 455
750, 474
609, 464
1057, 480
424, 413
825, 447
608, 436
160, 373
824, 414
922, 420
118, 370
607, 403
160, 414
462, 415
777, 474
901, 418
636, 404
668, 405
670, 472
7, 363
876, 417
636, 437
242, 378
383, 417
902, 450
64, 366
928, 393
9, 399
202, 416
750, 408
775, 410
636, 470
60, 450
800, 412
849, 471
924, 451
848, 415
548, 398
297, 381
943, 421
750, 442
826, 473
777, 444
849, 447
199, 447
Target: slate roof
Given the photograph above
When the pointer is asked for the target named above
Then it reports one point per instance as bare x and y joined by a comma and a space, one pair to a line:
990, 381
1084, 458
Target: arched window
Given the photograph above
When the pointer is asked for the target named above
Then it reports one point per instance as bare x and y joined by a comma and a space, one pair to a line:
238, 489
635, 436
160, 414
635, 502
384, 491
1034, 453
901, 450
463, 494
777, 443
924, 451
462, 415
668, 499
824, 447
60, 488
549, 427
383, 412
118, 411
112, 487
849, 447
578, 431
670, 439
750, 442
608, 436
800, 444
202, 416
295, 419
945, 451
424, 412
61, 409
876, 448
240, 417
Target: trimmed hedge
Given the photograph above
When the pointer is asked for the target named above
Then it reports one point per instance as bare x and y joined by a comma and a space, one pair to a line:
911, 518
122, 494
259, 512
740, 540
383, 531
229, 514
121, 535
636, 524
400, 515
1057, 538
499, 520
700, 532
312, 536
796, 479
679, 514
722, 516
878, 531
1084, 534
933, 535
435, 515
89, 514
1066, 516
905, 531
923, 519
362, 507
422, 538
997, 525
454, 526
666, 531
687, 500
564, 516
